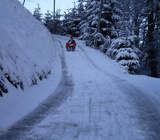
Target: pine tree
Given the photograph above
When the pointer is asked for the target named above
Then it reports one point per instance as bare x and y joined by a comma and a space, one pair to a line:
151, 42
72, 19
124, 52
141, 19
57, 23
122, 47
110, 16
89, 22
37, 13
48, 21
134, 15
149, 36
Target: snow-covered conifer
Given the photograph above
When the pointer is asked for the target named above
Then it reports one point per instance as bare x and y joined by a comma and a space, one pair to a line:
37, 13
124, 52
48, 21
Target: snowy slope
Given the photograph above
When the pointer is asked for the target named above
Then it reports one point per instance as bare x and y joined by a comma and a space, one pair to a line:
27, 51
26, 47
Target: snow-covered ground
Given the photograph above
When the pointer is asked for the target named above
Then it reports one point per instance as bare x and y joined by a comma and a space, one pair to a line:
27, 51
26, 47
104, 102
99, 107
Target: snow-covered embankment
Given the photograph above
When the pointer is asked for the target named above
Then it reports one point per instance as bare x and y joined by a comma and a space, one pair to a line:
26, 47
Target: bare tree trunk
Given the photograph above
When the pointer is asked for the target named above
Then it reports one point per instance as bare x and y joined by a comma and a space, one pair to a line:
99, 21
136, 31
152, 52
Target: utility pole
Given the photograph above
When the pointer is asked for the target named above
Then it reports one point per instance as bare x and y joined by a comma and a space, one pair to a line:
54, 5
74, 7
99, 21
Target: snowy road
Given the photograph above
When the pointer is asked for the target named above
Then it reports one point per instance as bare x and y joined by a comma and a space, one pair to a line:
91, 103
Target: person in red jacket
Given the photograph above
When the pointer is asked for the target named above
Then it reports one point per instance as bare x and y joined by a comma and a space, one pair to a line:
71, 44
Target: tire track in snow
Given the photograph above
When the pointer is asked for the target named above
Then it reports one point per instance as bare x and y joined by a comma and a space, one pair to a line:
149, 114
91, 113
92, 127
114, 78
63, 91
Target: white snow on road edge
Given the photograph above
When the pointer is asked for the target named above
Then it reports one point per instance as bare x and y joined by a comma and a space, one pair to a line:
17, 103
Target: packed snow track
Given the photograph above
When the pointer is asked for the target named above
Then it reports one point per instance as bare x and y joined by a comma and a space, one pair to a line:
90, 103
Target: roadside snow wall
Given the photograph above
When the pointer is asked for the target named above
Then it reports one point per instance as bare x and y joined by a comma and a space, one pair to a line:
26, 47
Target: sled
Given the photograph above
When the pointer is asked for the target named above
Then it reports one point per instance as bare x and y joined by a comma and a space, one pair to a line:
70, 48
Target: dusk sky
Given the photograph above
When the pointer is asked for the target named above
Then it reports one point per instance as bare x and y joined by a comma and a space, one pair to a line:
48, 5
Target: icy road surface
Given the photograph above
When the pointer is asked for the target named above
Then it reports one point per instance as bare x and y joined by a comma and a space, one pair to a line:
92, 102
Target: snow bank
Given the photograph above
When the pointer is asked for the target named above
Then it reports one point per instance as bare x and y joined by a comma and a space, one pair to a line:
26, 47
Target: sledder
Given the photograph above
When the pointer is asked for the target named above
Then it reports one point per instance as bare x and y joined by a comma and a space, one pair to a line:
71, 44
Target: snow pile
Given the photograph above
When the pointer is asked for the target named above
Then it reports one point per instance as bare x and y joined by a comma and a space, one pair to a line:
124, 52
26, 47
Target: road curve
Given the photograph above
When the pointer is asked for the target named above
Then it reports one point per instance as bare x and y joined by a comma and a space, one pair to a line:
23, 126
94, 106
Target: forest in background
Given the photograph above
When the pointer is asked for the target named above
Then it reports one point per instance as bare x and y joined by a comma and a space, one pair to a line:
127, 31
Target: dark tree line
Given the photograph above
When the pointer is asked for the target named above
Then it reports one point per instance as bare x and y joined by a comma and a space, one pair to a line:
125, 30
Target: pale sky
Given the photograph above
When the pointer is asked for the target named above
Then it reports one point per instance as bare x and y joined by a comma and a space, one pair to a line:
48, 5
